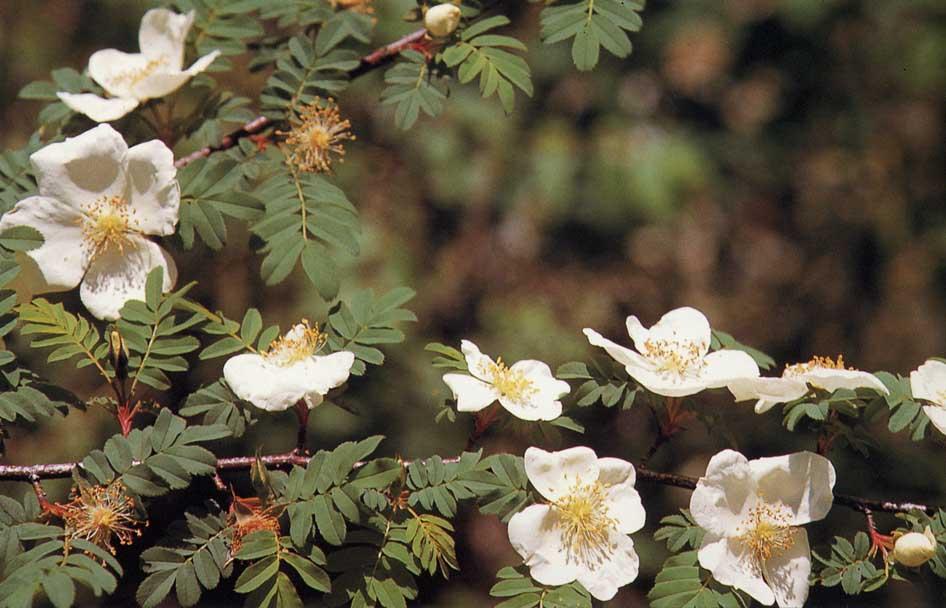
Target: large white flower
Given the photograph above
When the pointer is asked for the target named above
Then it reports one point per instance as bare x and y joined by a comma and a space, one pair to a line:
289, 371
752, 512
97, 201
527, 389
928, 382
133, 78
582, 533
673, 358
821, 373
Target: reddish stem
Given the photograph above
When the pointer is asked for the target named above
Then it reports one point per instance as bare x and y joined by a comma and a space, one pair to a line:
481, 422
302, 412
126, 417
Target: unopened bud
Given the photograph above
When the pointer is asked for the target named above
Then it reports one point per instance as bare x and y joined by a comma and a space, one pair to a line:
914, 549
118, 354
442, 20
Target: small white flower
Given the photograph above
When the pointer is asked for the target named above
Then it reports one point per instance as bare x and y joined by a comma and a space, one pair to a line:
582, 533
442, 20
527, 389
97, 201
914, 549
673, 358
821, 373
752, 512
289, 371
928, 382
133, 78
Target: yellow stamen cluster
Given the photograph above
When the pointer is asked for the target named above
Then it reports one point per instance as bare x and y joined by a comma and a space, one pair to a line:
100, 514
247, 515
106, 222
510, 383
300, 342
317, 138
677, 358
767, 531
356, 6
134, 76
816, 363
585, 522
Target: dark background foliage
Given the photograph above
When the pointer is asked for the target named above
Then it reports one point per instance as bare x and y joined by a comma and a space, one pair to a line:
776, 163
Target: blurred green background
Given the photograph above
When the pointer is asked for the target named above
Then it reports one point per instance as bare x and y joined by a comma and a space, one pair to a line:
778, 164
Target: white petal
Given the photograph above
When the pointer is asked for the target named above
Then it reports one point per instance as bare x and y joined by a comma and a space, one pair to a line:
265, 386
534, 534
787, 573
477, 362
84, 168
603, 579
158, 84
98, 108
683, 325
622, 355
762, 406
624, 503
202, 63
802, 481
154, 194
724, 494
531, 409
162, 35
542, 403
638, 333
731, 563
471, 394
929, 382
614, 471
834, 379
937, 416
553, 474
116, 276
724, 366
770, 390
61, 259
323, 373
117, 71
667, 384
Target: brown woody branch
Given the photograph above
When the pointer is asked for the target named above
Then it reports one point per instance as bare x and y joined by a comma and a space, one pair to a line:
33, 473
376, 59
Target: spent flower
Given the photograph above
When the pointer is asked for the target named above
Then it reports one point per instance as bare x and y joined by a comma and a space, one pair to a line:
101, 515
315, 139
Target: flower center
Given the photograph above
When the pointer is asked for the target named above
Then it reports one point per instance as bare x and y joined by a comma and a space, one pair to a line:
107, 222
799, 369
675, 358
99, 513
301, 342
766, 531
317, 138
585, 523
510, 383
132, 77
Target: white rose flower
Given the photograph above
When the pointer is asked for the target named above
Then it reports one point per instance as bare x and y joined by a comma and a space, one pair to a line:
673, 358
928, 382
133, 78
289, 371
442, 20
821, 372
97, 201
527, 389
582, 533
752, 512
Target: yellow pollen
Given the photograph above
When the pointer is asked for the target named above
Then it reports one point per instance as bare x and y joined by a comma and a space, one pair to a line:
134, 76
106, 222
356, 6
315, 140
677, 358
767, 531
798, 369
510, 383
100, 513
300, 342
585, 522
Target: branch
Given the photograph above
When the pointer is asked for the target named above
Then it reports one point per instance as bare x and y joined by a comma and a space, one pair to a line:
36, 472
376, 59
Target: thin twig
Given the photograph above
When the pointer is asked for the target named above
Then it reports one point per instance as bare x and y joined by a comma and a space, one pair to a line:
376, 59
